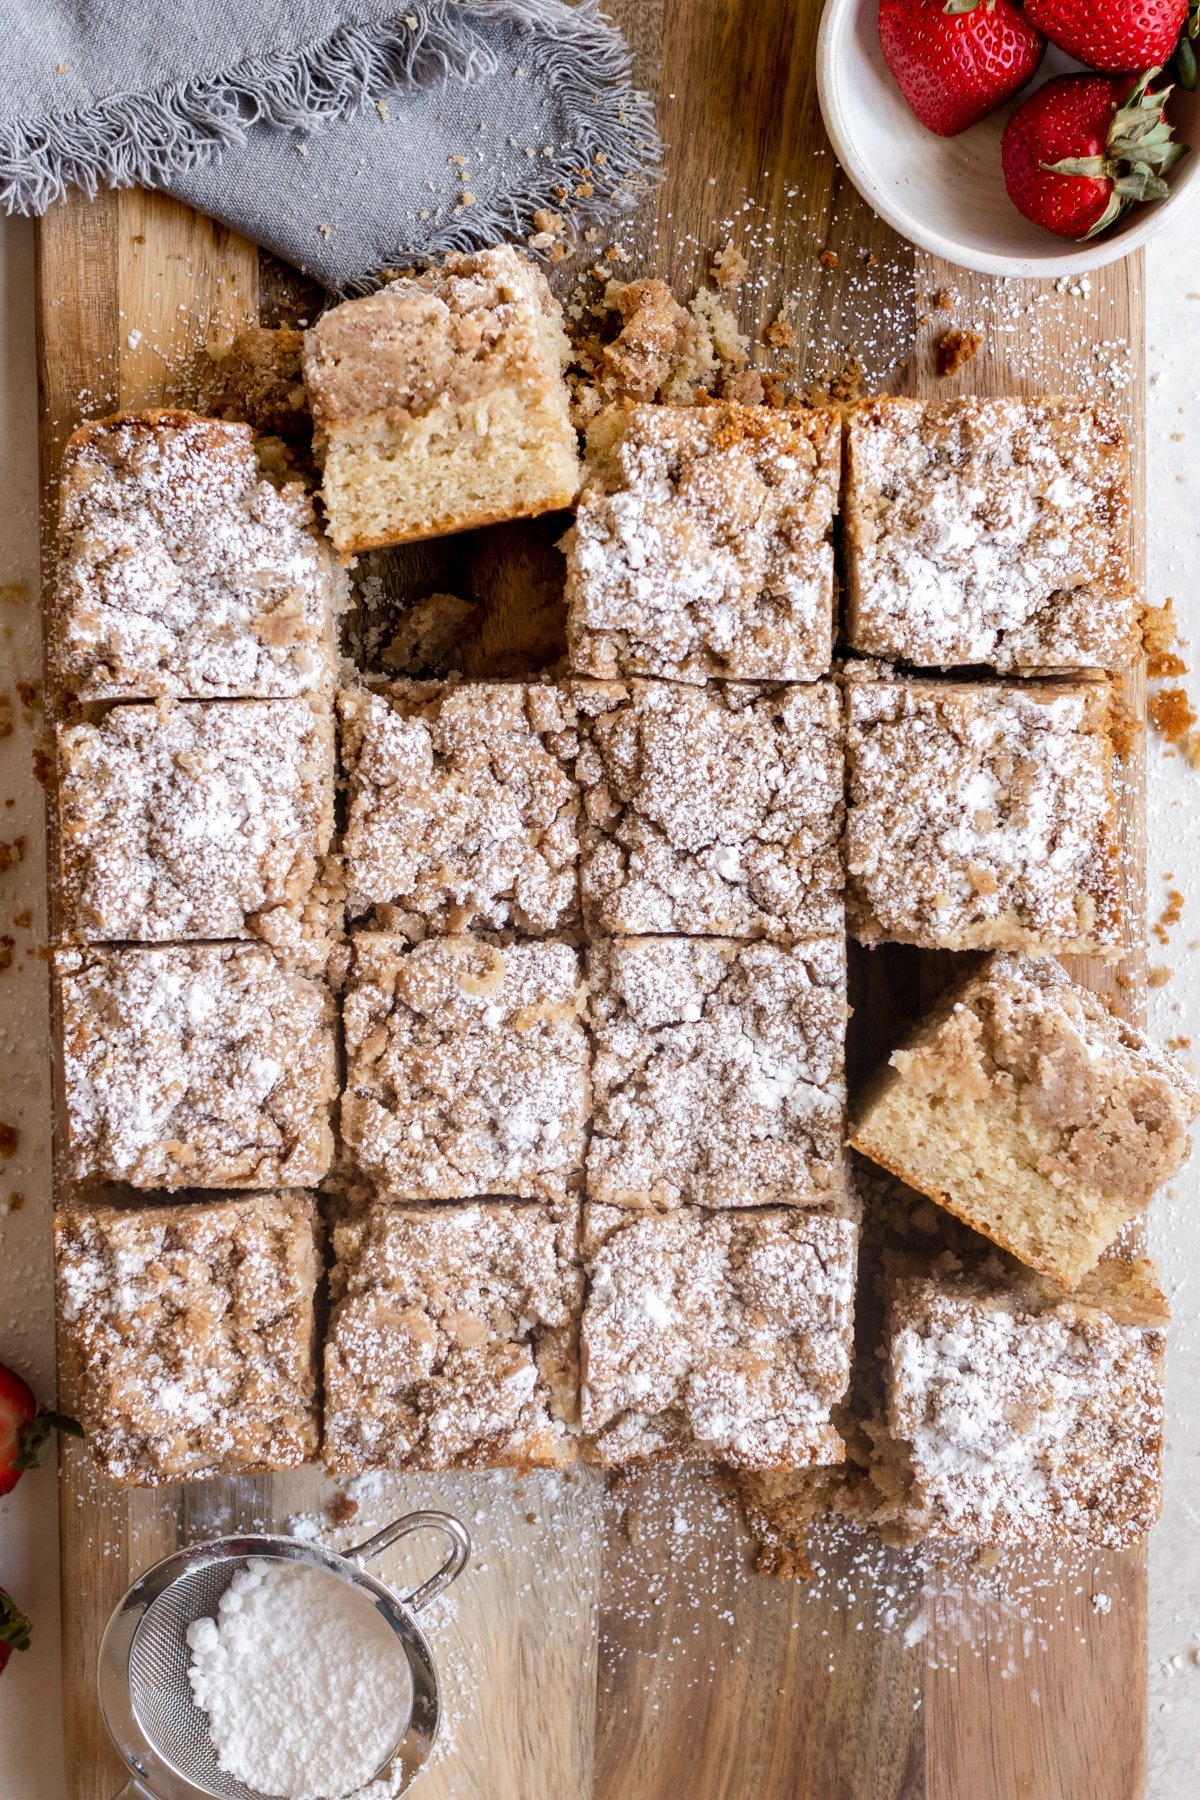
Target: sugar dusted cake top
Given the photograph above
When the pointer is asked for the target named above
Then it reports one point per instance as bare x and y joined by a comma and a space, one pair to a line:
982, 815
193, 1329
463, 807
701, 544
1026, 1417
452, 1337
183, 821
183, 570
990, 531
716, 1335
718, 1072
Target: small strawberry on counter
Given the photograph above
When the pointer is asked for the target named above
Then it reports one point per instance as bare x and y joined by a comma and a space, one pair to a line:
25, 1429
955, 61
1082, 149
1119, 36
14, 1628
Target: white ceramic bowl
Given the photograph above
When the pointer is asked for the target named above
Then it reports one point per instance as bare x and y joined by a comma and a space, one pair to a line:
947, 194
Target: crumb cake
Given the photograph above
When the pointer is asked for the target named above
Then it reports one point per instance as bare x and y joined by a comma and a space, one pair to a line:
702, 544
982, 815
192, 821
718, 1077
198, 1065
989, 531
710, 810
720, 1336
1031, 1112
184, 572
439, 403
467, 1067
192, 1330
259, 380
453, 1337
463, 807
1020, 1415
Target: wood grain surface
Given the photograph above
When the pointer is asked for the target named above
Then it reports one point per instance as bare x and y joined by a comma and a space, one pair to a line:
593, 1659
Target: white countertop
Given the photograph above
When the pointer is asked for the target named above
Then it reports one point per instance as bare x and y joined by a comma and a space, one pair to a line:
30, 1729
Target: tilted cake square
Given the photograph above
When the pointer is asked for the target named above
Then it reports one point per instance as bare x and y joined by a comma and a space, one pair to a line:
192, 1328
463, 809
198, 1065
1019, 1415
702, 544
719, 1075
184, 571
1024, 1106
467, 1067
982, 815
439, 402
453, 1337
193, 821
720, 1336
713, 811
990, 531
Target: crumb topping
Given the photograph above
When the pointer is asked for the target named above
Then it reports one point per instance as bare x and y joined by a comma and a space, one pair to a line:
183, 821
701, 545
182, 570
718, 1074
714, 810
463, 809
193, 1329
990, 531
452, 1337
198, 1066
467, 1067
982, 815
716, 1335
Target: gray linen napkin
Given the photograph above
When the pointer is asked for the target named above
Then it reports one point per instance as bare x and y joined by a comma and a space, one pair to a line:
346, 135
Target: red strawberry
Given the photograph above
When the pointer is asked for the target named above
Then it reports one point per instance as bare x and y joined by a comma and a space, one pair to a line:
957, 60
1084, 148
14, 1629
1121, 36
24, 1430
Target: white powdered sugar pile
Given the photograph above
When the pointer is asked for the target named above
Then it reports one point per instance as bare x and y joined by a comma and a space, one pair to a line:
306, 1687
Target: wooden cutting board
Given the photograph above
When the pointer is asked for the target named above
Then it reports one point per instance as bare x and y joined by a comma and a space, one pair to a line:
581, 1663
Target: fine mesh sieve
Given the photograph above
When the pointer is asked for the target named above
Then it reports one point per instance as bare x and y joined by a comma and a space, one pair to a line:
160, 1732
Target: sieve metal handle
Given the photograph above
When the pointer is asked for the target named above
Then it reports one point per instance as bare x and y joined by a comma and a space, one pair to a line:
133, 1790
456, 1560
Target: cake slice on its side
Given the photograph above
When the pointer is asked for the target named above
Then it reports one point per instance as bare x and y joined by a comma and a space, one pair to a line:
1024, 1107
439, 403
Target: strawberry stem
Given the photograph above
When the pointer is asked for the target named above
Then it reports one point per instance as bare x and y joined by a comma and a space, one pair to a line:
1137, 155
957, 7
14, 1626
33, 1439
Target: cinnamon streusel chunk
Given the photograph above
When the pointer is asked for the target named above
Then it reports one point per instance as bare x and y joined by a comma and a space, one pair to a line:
439, 403
1019, 1415
719, 1072
259, 379
467, 1067
982, 815
701, 546
990, 531
710, 811
716, 1335
193, 821
193, 1332
453, 1337
1027, 1109
183, 571
463, 807
203, 1065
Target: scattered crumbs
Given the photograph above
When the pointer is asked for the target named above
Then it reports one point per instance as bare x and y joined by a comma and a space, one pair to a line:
12, 1203
11, 853
943, 301
729, 266
381, 107
1170, 915
7, 946
1178, 1043
325, 230
780, 334
828, 259
1158, 635
1159, 976
955, 349
10, 1137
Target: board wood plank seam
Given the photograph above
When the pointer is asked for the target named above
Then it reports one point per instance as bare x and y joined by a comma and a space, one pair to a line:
583, 1701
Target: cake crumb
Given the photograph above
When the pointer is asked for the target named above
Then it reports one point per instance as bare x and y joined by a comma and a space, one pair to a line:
956, 348
729, 267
